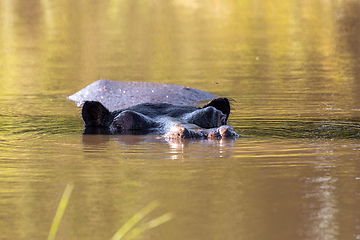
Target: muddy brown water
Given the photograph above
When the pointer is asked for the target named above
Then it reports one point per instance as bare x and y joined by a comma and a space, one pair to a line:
291, 70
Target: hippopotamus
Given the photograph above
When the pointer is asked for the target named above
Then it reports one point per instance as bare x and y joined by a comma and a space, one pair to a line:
175, 122
164, 116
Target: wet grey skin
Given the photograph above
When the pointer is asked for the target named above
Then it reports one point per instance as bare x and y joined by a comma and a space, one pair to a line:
178, 121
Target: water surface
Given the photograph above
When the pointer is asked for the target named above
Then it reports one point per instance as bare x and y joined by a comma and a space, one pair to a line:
291, 69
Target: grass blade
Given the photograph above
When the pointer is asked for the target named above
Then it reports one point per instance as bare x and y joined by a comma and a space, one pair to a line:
149, 225
134, 220
60, 211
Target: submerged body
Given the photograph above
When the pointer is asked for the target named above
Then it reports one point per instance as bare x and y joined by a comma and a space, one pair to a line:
208, 122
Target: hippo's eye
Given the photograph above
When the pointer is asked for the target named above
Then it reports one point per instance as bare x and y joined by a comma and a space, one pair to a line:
116, 125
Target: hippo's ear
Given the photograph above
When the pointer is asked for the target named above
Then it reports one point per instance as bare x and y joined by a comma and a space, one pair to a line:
95, 114
221, 104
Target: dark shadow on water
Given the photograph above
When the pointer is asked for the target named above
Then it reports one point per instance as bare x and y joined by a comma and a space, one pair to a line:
101, 139
253, 128
98, 142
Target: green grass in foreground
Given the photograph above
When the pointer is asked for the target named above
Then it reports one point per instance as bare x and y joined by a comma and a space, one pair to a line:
128, 227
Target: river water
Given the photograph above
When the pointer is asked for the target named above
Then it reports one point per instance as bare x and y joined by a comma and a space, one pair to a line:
291, 69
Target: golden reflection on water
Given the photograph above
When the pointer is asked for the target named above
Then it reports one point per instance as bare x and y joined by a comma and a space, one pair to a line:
292, 68
233, 189
288, 48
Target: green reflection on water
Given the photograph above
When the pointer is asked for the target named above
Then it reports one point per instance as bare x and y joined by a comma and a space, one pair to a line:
299, 128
